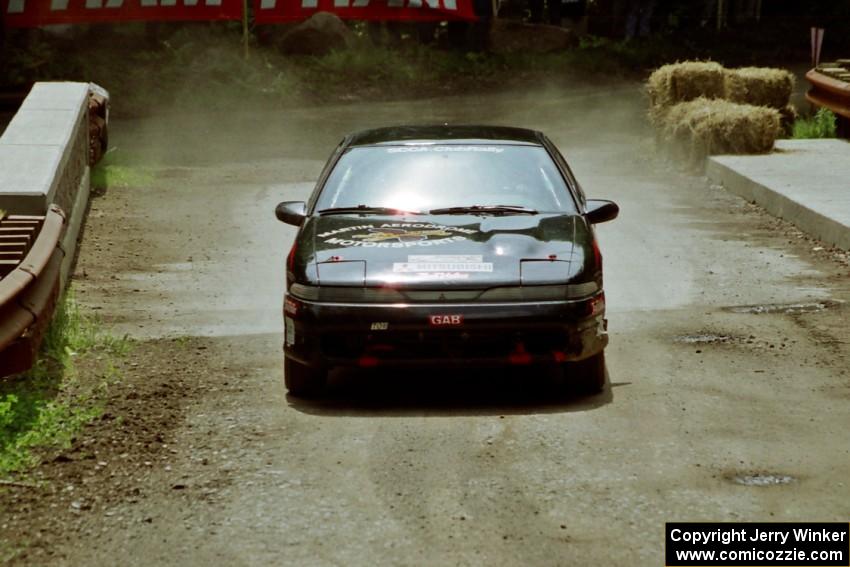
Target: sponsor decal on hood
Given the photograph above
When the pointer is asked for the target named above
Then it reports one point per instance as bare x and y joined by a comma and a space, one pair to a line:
395, 235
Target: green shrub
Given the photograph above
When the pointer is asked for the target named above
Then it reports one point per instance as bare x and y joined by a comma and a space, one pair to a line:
821, 125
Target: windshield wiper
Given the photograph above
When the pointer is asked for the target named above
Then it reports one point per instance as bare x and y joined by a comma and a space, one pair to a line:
366, 210
486, 209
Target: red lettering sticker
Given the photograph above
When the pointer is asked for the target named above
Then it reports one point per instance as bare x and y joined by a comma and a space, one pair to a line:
445, 320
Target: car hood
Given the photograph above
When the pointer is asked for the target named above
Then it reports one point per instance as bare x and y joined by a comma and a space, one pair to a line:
428, 252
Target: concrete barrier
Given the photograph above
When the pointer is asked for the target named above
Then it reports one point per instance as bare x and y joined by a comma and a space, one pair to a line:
45, 153
804, 181
44, 157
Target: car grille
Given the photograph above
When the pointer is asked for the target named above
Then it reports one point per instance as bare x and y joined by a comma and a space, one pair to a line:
452, 344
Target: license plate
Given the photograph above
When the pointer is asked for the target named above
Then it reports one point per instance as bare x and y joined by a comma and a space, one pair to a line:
446, 320
427, 267
289, 328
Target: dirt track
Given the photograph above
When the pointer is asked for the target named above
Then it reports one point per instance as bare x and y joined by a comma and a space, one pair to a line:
709, 396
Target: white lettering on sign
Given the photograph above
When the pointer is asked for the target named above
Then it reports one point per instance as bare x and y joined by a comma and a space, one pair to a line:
19, 6
312, 4
418, 4
446, 320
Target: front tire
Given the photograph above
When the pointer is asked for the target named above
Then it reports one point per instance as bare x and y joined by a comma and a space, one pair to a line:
586, 376
302, 380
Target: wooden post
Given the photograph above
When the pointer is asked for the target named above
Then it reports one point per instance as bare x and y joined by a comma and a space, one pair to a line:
245, 28
721, 11
758, 11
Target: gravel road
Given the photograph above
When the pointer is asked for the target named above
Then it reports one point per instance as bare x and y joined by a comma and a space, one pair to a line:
728, 368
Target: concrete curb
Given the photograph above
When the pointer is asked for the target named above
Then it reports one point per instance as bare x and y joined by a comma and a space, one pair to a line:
806, 182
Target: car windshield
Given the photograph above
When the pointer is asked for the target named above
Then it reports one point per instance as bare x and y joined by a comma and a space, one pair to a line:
420, 178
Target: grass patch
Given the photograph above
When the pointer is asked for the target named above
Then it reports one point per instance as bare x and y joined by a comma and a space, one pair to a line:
822, 125
114, 171
12, 550
45, 408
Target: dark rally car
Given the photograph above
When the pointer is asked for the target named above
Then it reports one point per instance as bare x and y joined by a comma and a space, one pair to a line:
445, 245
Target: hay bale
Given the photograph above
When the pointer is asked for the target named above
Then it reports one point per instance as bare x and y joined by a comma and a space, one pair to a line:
659, 87
702, 127
787, 117
760, 86
681, 82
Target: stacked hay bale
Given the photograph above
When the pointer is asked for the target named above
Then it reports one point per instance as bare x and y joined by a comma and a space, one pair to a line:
701, 108
763, 86
759, 86
703, 127
682, 82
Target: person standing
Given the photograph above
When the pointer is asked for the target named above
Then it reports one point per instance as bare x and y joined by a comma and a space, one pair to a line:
639, 18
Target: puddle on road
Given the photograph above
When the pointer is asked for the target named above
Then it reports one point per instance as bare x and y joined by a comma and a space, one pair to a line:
762, 479
174, 173
786, 308
705, 339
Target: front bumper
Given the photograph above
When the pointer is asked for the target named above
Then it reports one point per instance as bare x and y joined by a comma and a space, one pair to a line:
367, 335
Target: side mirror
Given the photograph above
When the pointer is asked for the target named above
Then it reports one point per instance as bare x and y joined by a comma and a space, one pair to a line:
599, 210
291, 212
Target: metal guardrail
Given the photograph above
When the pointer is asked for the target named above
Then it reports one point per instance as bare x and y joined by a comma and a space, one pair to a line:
28, 292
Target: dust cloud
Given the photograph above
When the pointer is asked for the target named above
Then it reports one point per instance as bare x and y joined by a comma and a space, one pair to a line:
581, 116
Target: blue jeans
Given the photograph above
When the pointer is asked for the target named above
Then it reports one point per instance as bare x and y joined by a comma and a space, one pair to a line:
639, 18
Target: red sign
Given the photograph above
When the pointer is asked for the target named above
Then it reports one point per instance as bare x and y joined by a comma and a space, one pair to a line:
33, 13
277, 11
446, 320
